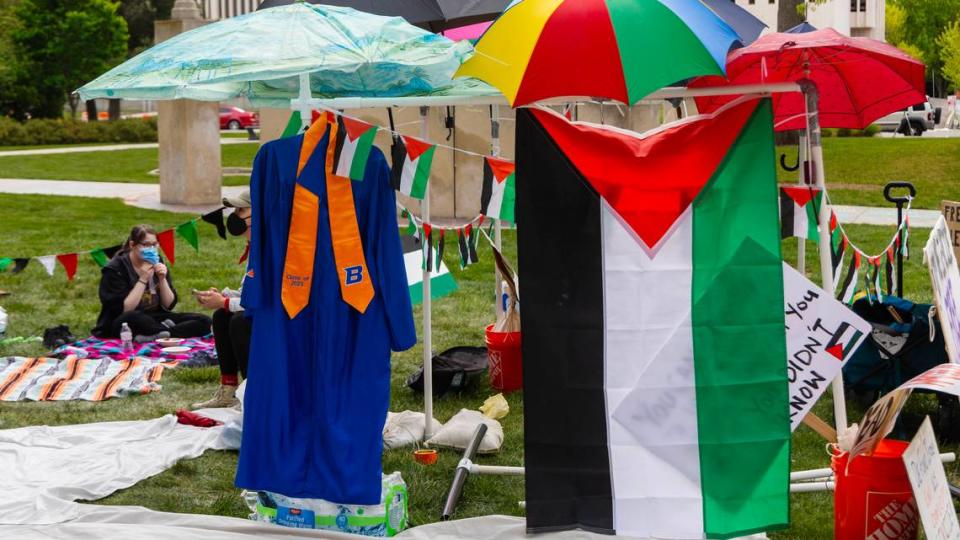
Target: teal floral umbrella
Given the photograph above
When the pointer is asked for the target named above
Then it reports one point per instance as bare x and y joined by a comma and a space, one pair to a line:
347, 53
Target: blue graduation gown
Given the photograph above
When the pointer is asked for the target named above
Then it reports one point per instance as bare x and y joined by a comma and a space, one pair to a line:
319, 384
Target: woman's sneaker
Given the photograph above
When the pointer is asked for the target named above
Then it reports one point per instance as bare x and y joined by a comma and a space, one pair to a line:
226, 396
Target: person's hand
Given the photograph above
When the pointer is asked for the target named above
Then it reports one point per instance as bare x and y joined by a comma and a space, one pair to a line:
161, 270
210, 299
145, 272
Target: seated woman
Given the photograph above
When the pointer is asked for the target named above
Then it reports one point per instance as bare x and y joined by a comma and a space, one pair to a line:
136, 289
231, 328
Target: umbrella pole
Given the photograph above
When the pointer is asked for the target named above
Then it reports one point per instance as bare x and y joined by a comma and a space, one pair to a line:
427, 308
826, 270
497, 229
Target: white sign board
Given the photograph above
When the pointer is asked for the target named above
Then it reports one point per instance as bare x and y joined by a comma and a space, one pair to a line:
822, 334
930, 488
945, 275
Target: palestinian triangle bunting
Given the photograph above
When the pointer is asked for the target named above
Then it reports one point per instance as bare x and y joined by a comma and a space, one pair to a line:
653, 326
499, 189
798, 211
410, 171
354, 141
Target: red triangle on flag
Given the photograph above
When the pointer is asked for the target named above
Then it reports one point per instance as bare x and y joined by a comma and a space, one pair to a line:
501, 168
650, 180
355, 128
801, 195
836, 351
165, 239
69, 262
415, 147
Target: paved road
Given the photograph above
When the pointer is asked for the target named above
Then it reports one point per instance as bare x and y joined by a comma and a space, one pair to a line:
100, 148
148, 196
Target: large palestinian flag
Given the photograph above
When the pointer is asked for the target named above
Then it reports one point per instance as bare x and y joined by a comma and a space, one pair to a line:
655, 387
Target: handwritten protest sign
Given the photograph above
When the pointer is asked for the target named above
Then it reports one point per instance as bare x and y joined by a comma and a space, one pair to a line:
945, 275
930, 489
951, 214
879, 418
822, 334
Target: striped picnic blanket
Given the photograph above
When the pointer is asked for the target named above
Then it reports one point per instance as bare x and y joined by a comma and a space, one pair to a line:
113, 348
92, 379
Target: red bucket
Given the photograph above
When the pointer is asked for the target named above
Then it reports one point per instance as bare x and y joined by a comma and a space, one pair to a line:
506, 365
873, 499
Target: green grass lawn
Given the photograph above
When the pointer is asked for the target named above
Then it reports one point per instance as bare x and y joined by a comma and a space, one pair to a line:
857, 168
114, 166
205, 484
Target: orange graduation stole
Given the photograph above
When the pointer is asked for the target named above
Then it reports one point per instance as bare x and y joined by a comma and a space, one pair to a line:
355, 285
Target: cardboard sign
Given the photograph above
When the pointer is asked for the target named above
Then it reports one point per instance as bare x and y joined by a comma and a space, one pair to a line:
939, 257
822, 334
930, 488
951, 213
879, 418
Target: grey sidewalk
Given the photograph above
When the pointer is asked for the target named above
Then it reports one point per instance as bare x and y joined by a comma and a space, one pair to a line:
139, 195
101, 148
148, 196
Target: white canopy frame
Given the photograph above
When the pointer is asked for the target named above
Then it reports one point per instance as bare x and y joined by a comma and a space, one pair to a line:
305, 103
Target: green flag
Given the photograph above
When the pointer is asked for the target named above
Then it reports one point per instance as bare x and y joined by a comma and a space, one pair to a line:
4, 263
99, 257
189, 233
294, 125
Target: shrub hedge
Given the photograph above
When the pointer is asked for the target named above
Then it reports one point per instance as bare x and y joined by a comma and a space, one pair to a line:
58, 131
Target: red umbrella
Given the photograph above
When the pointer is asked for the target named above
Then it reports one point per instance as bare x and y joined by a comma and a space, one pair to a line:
859, 79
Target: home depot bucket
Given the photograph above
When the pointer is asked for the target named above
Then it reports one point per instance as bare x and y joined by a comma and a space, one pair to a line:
506, 366
873, 498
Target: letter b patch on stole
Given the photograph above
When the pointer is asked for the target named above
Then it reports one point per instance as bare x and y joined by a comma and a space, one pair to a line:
354, 274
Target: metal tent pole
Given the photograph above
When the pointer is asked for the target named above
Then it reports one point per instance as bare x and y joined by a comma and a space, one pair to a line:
497, 229
826, 270
801, 176
303, 103
427, 328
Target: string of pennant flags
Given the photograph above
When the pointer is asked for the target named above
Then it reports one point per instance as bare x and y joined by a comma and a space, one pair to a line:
432, 238
69, 261
412, 161
799, 208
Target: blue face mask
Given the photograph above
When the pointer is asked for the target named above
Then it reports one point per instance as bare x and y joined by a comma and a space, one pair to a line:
150, 254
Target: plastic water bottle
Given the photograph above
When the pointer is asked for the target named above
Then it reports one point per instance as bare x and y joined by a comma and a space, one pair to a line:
126, 338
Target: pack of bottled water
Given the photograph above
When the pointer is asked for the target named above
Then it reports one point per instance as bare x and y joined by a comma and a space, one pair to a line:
383, 520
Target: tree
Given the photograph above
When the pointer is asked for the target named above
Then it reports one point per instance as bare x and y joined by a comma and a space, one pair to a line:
949, 42
64, 44
789, 14
923, 22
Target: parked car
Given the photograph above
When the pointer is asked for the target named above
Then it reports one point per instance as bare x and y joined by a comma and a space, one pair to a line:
237, 118
913, 120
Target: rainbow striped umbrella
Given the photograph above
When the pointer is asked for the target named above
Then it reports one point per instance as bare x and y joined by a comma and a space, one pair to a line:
614, 49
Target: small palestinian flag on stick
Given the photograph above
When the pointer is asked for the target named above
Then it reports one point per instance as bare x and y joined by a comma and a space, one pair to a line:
798, 211
846, 293
412, 159
499, 189
354, 141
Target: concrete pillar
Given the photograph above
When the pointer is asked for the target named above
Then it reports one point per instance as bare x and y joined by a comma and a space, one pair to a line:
188, 131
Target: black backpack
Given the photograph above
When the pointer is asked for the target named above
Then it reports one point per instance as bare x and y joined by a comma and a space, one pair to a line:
453, 370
